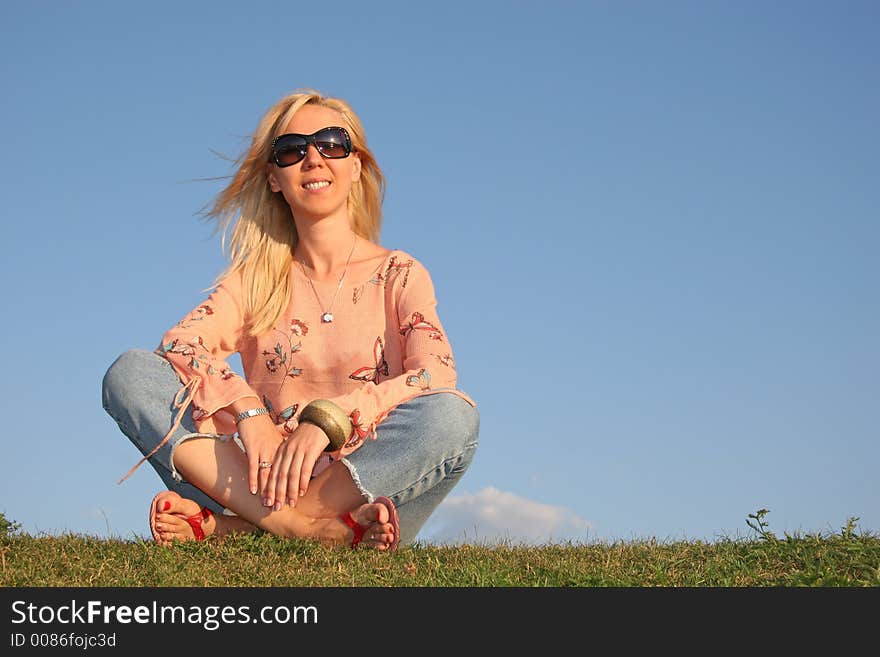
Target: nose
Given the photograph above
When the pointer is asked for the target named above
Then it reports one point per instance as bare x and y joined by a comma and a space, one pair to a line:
313, 157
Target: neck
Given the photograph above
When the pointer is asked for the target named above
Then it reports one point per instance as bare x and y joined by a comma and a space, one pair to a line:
324, 246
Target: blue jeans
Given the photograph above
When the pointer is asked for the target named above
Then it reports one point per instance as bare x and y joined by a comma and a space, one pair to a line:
424, 446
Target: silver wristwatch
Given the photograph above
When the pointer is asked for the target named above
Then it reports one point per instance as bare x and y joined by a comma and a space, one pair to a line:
251, 412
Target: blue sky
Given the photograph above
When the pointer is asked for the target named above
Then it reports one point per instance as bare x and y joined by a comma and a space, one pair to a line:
652, 227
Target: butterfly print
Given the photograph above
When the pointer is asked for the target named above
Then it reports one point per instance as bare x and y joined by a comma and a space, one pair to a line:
418, 323
420, 380
177, 346
394, 269
372, 373
359, 431
446, 360
383, 278
285, 418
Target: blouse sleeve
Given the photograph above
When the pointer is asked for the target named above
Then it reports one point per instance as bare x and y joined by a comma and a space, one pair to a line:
197, 348
427, 359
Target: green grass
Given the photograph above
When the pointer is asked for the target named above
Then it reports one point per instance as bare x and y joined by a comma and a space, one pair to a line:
848, 558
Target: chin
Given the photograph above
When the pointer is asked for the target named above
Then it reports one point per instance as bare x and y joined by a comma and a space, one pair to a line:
315, 210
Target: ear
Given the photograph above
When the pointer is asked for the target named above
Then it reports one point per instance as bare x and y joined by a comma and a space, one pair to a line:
356, 167
273, 181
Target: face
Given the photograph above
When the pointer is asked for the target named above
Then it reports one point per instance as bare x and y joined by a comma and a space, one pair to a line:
315, 187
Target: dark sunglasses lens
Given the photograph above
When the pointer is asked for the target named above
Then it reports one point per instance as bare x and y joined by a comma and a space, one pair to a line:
289, 150
332, 143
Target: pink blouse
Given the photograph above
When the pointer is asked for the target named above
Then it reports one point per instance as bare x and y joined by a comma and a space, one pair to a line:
385, 346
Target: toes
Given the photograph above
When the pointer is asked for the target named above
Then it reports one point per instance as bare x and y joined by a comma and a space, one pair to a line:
170, 519
171, 502
173, 528
169, 535
379, 533
382, 515
368, 514
163, 499
379, 537
170, 510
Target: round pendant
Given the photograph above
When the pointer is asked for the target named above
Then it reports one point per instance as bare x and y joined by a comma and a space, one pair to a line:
326, 318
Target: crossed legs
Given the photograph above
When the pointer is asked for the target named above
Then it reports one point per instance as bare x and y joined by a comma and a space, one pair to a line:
424, 448
220, 469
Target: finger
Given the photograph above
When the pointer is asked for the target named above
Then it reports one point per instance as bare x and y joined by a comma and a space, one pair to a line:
305, 476
253, 474
280, 472
271, 480
265, 472
292, 488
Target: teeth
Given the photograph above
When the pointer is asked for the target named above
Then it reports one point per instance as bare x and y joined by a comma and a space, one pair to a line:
316, 185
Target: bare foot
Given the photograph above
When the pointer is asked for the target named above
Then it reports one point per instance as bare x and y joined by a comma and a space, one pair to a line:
375, 525
378, 523
168, 518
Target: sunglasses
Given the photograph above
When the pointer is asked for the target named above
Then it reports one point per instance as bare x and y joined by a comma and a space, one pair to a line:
332, 143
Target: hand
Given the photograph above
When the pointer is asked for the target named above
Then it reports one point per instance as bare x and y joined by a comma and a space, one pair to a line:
261, 440
293, 464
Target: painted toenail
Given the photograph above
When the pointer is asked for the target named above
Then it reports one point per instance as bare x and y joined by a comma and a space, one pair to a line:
167, 505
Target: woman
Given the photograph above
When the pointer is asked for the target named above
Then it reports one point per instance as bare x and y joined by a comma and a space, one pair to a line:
347, 427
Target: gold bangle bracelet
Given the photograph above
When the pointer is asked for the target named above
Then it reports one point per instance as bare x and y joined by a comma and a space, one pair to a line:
329, 417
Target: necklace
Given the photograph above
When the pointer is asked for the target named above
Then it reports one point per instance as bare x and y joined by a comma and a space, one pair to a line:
327, 315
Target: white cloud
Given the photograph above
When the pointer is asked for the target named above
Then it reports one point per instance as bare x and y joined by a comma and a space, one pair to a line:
493, 516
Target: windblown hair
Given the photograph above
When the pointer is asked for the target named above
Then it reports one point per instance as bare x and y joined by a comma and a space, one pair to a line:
257, 224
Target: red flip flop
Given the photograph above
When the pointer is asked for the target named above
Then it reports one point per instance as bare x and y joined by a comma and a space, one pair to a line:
356, 527
359, 529
392, 518
195, 521
152, 516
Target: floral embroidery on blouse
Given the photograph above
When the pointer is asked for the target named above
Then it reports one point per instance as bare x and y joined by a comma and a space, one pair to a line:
371, 373
446, 360
196, 315
198, 352
194, 347
278, 357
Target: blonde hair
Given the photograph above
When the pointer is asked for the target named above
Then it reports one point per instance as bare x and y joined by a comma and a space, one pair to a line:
263, 234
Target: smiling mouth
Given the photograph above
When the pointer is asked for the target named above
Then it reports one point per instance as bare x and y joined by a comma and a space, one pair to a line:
318, 184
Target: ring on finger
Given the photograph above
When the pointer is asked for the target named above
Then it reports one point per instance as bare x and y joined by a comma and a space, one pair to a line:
265, 465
